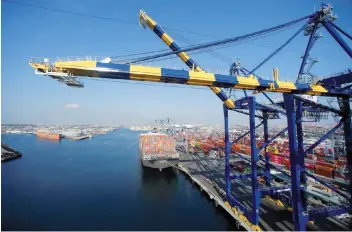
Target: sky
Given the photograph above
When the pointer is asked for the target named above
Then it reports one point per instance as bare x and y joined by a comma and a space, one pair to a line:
35, 32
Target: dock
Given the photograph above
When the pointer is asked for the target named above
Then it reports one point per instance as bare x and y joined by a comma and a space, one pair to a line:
8, 153
208, 174
78, 137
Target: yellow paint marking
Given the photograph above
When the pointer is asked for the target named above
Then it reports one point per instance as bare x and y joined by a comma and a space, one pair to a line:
247, 83
143, 73
184, 57
216, 90
229, 103
284, 86
201, 78
167, 39
78, 63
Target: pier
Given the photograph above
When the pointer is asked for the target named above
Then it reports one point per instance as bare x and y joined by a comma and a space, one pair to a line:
78, 137
208, 174
7, 153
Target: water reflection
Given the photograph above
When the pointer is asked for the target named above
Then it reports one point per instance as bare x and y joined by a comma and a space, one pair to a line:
153, 176
158, 185
48, 140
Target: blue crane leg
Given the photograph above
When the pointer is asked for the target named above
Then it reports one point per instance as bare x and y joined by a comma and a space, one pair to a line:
266, 154
298, 219
227, 152
300, 145
348, 136
254, 160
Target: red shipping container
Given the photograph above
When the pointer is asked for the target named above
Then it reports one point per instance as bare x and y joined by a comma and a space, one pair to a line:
287, 165
281, 160
310, 156
309, 165
285, 154
286, 162
275, 159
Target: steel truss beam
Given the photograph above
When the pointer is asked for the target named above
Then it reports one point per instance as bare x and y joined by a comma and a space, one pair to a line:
329, 133
318, 105
245, 134
342, 31
337, 37
253, 214
297, 207
297, 153
328, 212
347, 126
337, 81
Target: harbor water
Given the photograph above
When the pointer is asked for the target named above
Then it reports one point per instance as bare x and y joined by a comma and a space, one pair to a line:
98, 184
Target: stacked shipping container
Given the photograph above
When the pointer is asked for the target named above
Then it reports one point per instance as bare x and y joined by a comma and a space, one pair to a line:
157, 144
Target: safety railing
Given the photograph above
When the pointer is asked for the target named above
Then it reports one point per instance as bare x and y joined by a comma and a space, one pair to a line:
79, 58
38, 60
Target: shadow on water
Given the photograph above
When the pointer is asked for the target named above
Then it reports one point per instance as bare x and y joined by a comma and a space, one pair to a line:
153, 175
158, 185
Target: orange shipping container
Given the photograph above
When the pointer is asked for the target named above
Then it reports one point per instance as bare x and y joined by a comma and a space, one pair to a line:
324, 171
321, 163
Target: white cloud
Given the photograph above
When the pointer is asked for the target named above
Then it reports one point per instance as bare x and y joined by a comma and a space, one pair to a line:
72, 106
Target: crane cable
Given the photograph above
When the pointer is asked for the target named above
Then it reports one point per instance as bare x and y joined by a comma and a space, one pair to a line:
225, 41
209, 50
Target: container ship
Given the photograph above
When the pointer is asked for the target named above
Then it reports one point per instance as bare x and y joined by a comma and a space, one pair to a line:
158, 150
48, 135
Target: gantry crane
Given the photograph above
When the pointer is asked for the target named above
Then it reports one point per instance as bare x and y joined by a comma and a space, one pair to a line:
294, 104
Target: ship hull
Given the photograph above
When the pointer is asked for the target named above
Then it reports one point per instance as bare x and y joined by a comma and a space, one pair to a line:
158, 164
50, 136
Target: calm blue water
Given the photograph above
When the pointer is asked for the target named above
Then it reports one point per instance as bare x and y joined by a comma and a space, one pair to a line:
98, 184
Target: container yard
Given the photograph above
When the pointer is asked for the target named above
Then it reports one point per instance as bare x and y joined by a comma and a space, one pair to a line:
202, 159
306, 171
208, 174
